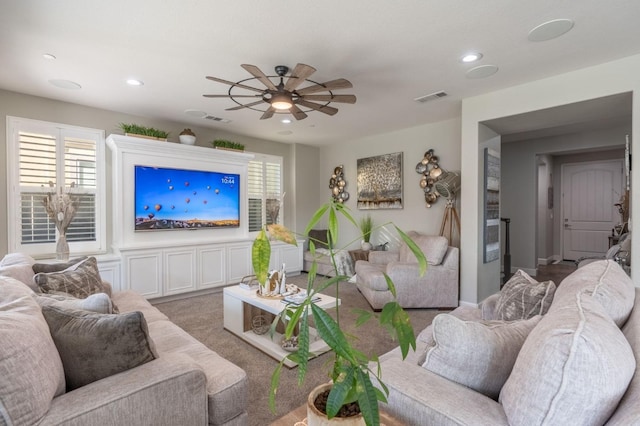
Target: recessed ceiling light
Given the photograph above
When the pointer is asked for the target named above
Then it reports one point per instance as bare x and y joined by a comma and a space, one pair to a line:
49, 56
65, 84
134, 82
550, 30
471, 57
482, 71
195, 113
286, 120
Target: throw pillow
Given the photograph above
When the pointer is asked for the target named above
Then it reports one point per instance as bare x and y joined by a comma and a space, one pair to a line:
574, 368
609, 285
99, 303
56, 267
79, 280
17, 259
522, 297
94, 346
479, 355
22, 273
31, 372
319, 237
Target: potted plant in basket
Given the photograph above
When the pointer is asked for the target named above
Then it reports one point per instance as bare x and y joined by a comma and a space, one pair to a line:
145, 132
350, 374
226, 144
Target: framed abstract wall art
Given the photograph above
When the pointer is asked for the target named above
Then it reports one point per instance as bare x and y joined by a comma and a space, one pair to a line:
491, 205
380, 182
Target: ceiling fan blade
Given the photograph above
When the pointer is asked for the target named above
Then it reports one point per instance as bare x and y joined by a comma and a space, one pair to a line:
298, 76
322, 108
345, 99
297, 113
245, 106
268, 113
230, 96
257, 73
231, 83
339, 83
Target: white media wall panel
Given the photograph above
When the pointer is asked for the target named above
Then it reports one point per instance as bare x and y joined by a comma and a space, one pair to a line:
169, 262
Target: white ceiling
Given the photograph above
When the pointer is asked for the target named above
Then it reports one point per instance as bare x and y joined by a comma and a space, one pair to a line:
392, 52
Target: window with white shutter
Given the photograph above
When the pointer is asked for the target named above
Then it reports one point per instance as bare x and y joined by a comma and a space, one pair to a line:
42, 156
265, 190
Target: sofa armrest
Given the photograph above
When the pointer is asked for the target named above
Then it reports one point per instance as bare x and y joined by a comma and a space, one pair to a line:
418, 396
167, 390
382, 257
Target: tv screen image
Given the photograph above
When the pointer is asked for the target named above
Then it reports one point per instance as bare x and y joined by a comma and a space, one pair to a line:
167, 198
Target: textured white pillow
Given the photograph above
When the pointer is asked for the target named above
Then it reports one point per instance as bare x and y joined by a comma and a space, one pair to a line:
609, 285
99, 303
479, 355
523, 297
573, 368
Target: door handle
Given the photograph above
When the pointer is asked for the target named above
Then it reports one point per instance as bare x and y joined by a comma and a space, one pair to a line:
567, 226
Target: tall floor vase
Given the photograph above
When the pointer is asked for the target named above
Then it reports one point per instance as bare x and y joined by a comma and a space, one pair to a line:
62, 248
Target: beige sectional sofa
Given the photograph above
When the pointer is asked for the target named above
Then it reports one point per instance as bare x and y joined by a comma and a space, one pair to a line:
576, 363
186, 383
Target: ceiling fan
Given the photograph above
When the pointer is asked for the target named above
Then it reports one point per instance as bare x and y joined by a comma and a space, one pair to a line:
285, 97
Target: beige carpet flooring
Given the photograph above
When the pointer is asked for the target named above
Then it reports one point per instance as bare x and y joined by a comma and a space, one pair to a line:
202, 317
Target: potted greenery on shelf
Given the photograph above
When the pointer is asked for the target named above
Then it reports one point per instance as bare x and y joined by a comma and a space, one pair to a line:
226, 144
351, 376
146, 132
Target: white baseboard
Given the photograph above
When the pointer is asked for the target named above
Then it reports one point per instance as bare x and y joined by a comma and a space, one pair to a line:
469, 304
549, 260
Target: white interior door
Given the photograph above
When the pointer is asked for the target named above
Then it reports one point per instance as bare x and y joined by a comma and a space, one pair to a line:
589, 192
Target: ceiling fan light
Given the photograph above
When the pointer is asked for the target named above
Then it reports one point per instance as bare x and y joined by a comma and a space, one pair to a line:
281, 102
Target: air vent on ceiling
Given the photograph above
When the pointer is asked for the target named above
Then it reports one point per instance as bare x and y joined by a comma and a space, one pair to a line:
213, 118
431, 97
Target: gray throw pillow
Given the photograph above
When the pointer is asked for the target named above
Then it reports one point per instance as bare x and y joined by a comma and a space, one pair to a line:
94, 346
99, 303
476, 354
79, 280
522, 297
319, 238
56, 267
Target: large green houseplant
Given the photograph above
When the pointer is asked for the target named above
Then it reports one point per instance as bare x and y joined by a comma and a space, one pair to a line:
350, 374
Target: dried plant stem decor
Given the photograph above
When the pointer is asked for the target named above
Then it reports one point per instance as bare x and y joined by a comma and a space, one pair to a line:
61, 207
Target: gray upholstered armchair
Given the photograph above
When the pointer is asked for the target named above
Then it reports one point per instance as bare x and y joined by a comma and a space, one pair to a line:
437, 288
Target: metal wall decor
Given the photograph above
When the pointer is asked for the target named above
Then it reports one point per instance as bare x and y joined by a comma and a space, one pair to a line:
430, 170
337, 184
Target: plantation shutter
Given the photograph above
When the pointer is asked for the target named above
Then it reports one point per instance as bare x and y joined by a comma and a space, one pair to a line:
44, 156
39, 174
265, 187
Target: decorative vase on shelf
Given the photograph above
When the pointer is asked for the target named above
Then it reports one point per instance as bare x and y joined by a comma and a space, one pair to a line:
62, 248
366, 246
187, 137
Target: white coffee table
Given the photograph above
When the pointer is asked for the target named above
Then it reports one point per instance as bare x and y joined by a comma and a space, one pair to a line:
241, 306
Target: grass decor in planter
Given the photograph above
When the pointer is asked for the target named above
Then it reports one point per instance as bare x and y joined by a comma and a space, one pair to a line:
227, 144
134, 129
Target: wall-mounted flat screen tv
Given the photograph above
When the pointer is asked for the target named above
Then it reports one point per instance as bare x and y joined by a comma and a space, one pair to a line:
167, 198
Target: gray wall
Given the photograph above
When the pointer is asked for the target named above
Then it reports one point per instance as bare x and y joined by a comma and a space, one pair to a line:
443, 137
296, 184
519, 196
